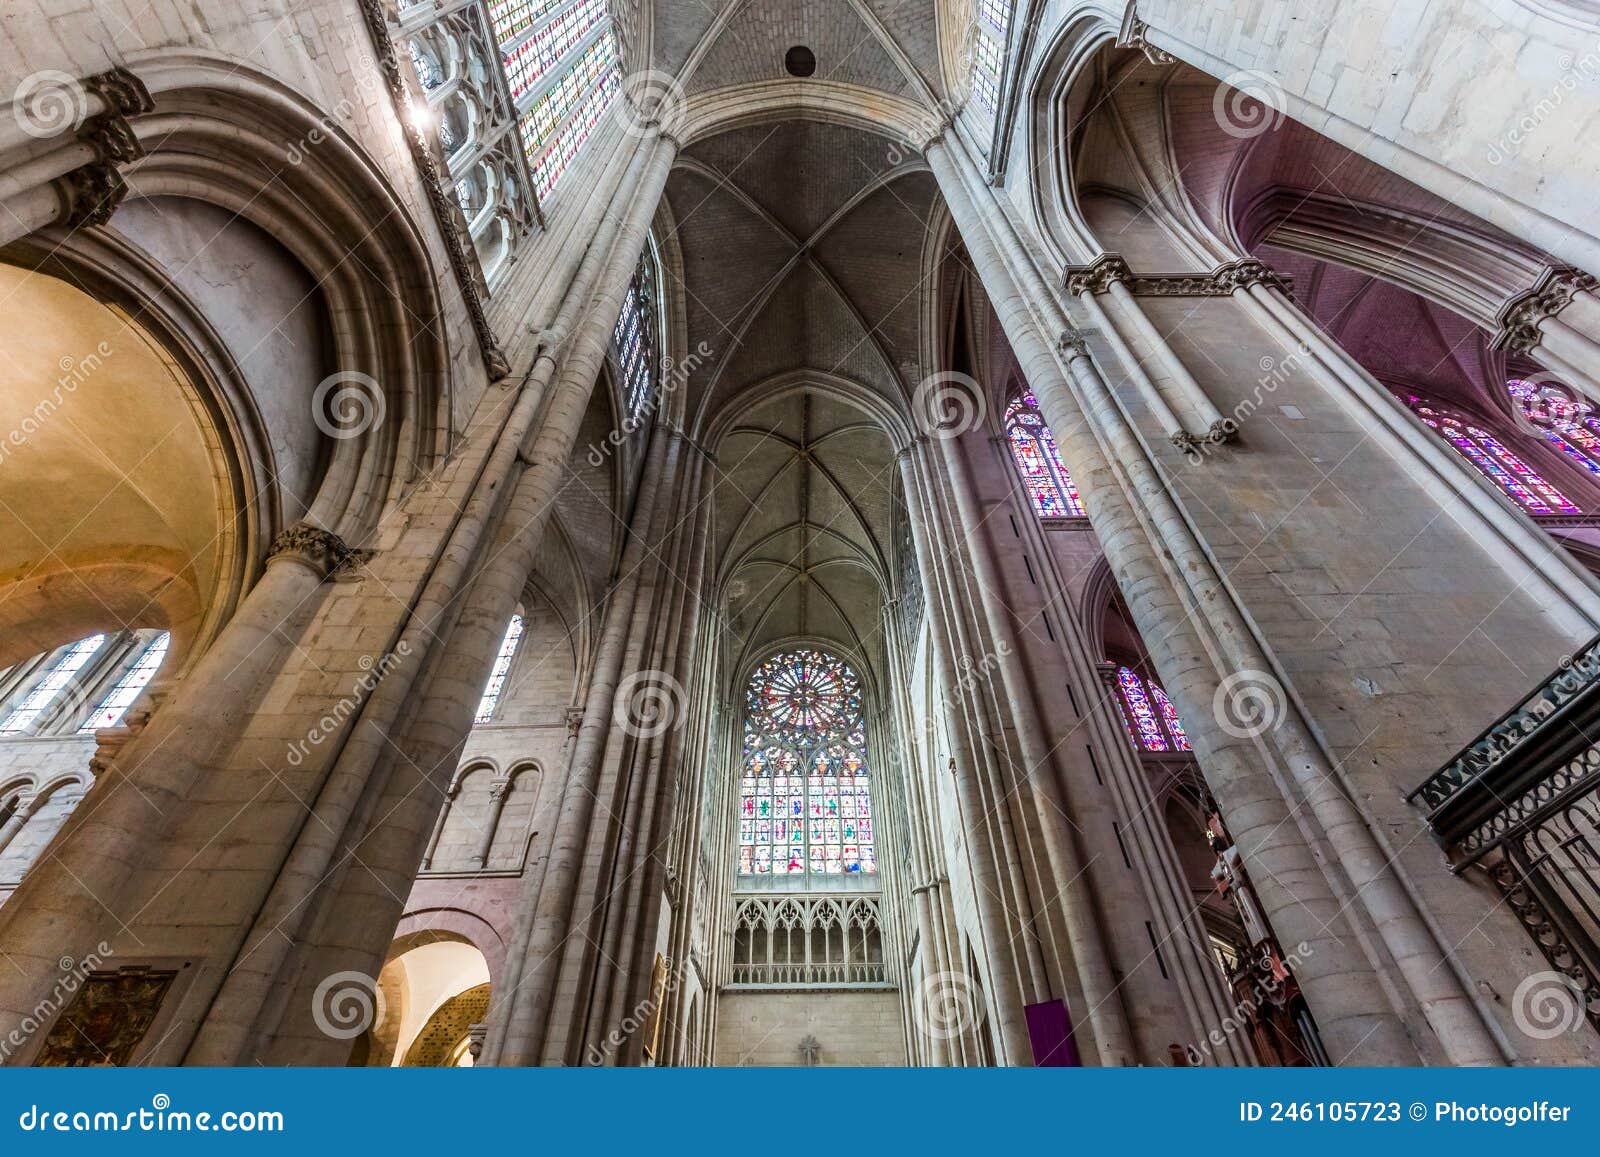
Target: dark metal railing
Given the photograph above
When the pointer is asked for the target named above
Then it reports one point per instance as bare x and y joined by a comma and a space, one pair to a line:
1521, 805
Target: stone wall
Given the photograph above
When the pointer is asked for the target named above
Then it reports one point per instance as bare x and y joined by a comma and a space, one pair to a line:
850, 1028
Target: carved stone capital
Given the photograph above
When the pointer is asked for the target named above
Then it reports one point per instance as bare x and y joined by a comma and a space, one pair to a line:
1097, 276
321, 550
123, 93
89, 195
1134, 35
1247, 272
574, 721
112, 138
1521, 316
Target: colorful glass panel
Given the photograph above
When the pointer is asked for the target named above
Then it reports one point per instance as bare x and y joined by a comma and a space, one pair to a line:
1566, 423
497, 673
805, 800
1169, 716
1141, 715
1049, 482
1497, 463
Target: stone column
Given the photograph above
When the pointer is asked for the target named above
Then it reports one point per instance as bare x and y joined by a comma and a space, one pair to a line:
67, 901
520, 1022
309, 911
26, 803
1341, 990
497, 805
994, 919
1107, 1019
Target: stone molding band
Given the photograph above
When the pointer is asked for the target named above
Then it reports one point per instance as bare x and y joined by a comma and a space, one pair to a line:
1098, 276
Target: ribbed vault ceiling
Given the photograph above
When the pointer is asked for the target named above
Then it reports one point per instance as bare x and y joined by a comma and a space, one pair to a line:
891, 45
802, 250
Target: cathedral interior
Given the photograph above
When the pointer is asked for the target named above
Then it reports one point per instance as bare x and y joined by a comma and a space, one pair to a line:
800, 533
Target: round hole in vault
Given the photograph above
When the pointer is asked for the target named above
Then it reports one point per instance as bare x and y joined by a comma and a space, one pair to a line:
800, 61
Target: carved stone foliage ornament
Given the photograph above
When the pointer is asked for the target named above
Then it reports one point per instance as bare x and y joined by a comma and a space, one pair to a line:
320, 549
1520, 317
1098, 277
91, 193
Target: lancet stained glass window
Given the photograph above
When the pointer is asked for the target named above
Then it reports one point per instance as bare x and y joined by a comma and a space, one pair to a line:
561, 64
1049, 483
1567, 423
134, 680
497, 673
988, 57
55, 681
1151, 719
805, 803
636, 338
1496, 462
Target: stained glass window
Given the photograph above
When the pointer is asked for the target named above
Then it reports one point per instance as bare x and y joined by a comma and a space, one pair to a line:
805, 804
1049, 483
1495, 461
1151, 719
134, 680
988, 58
1566, 423
497, 673
561, 65
55, 681
636, 338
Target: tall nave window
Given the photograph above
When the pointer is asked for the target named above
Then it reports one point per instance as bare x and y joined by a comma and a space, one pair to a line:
1049, 483
636, 340
1495, 460
498, 673
560, 59
805, 803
